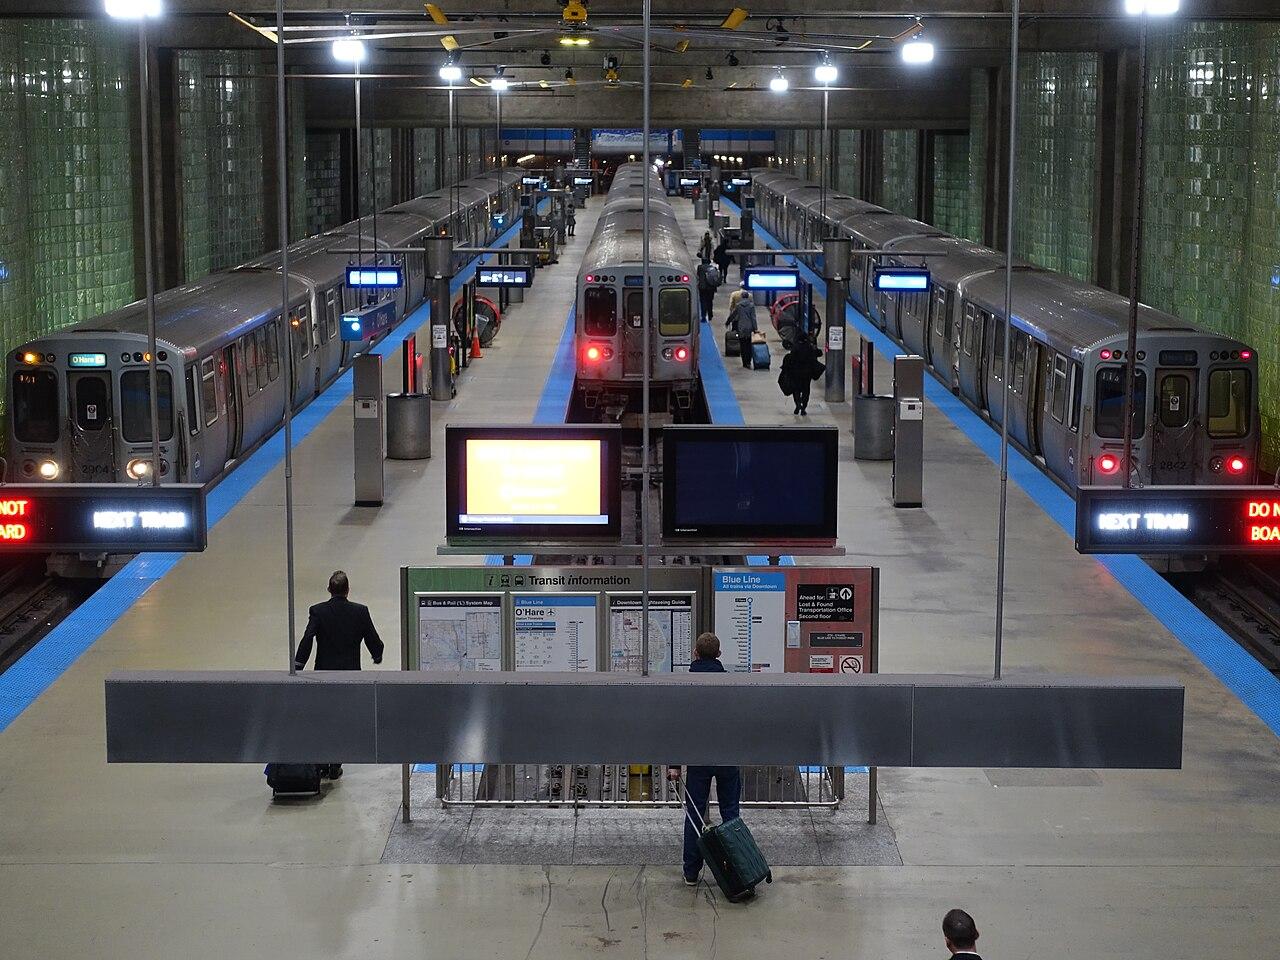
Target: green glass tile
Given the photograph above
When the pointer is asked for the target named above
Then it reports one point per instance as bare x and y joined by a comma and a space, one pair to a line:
951, 183
898, 187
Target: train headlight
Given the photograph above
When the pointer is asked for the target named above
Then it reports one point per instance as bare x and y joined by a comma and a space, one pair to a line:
49, 469
138, 469
30, 358
1237, 465
1108, 464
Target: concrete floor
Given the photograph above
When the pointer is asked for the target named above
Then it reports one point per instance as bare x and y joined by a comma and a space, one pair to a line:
194, 862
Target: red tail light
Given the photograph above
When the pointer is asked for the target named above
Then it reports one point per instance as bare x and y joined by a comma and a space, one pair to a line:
682, 353
1246, 354
592, 354
1108, 464
1237, 465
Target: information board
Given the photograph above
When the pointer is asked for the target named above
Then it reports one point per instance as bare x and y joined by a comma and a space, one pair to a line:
555, 632
1178, 519
459, 631
831, 619
102, 517
749, 613
671, 628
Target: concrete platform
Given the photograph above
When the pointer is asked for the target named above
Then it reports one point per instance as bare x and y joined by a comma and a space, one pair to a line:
128, 862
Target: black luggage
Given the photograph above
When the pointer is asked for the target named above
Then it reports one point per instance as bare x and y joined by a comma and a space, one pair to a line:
293, 779
730, 853
759, 355
732, 346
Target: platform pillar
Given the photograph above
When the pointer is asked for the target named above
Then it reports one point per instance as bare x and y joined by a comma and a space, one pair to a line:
835, 270
440, 272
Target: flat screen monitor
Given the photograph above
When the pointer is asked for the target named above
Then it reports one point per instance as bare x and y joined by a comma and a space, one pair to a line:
523, 483
504, 277
774, 485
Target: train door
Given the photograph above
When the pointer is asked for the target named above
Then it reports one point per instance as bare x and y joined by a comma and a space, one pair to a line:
92, 439
633, 333
1173, 436
231, 397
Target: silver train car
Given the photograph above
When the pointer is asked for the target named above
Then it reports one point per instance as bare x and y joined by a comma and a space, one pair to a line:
80, 398
608, 325
1196, 399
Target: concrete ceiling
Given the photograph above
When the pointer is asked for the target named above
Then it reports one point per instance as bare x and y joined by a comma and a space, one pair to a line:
875, 87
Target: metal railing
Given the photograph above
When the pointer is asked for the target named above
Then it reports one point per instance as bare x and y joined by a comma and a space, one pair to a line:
624, 785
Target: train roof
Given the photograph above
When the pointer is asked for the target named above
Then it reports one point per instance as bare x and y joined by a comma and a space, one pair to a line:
619, 232
953, 259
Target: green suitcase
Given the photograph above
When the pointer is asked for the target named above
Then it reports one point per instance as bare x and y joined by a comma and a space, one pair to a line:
732, 855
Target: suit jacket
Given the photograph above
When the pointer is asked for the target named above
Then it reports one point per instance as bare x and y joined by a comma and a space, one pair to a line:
337, 627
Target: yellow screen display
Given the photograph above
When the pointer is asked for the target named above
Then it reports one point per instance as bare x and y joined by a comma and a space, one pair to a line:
534, 479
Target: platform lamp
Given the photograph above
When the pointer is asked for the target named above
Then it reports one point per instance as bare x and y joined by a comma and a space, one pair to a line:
142, 11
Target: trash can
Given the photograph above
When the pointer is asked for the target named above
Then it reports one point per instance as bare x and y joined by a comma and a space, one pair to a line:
700, 208
408, 426
872, 427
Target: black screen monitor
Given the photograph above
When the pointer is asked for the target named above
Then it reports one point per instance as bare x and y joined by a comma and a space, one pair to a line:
773, 485
523, 483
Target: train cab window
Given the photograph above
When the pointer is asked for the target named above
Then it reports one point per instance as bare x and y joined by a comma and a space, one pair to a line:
135, 405
272, 340
1058, 387
193, 409
938, 307
91, 401
1229, 392
1176, 401
674, 312
35, 406
301, 333
1109, 415
633, 308
600, 306
209, 391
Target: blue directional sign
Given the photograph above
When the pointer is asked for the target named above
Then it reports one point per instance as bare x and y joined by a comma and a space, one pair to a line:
375, 277
902, 279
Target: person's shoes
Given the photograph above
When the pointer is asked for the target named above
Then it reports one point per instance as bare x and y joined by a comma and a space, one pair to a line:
804, 412
692, 881
795, 412
335, 771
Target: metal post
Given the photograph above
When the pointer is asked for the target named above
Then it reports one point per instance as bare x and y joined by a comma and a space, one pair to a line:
835, 267
822, 178
440, 269
282, 183
148, 241
1004, 362
645, 331
1135, 258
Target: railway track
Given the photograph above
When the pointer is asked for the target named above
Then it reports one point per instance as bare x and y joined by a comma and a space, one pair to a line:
1243, 597
32, 603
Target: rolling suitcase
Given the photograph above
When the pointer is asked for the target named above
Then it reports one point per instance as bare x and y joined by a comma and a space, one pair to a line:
293, 779
732, 347
759, 355
730, 853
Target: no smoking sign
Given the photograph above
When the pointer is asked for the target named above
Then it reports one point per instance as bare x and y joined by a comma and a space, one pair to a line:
850, 663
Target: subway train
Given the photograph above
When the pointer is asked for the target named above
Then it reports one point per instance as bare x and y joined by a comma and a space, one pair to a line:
80, 398
1196, 398
608, 325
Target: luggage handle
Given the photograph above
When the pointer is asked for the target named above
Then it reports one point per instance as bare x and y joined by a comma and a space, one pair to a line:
701, 825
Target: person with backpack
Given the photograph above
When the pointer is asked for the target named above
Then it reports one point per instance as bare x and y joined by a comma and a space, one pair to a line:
708, 280
743, 318
800, 367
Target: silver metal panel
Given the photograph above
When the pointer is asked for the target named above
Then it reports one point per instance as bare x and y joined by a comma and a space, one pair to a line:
886, 720
908, 431
369, 431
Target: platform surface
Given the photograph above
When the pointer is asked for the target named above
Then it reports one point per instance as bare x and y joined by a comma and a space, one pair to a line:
137, 861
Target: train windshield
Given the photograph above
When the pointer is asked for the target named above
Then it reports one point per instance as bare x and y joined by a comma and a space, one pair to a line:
1109, 419
1229, 403
674, 312
35, 406
601, 312
135, 405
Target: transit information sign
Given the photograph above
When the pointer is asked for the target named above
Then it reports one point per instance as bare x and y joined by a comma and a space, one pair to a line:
102, 517
1178, 519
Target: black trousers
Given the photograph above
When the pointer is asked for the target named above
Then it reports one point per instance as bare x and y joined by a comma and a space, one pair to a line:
706, 298
801, 395
745, 346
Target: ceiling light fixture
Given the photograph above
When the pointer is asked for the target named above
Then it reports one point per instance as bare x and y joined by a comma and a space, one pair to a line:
917, 51
778, 83
450, 72
825, 72
349, 50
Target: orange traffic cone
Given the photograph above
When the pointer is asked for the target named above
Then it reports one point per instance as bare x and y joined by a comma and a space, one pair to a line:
475, 344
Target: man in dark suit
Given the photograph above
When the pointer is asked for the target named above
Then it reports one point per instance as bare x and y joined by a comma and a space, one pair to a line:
338, 627
961, 935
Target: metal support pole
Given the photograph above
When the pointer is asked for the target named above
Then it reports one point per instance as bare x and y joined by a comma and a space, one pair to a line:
822, 180
440, 269
1002, 534
645, 332
148, 242
835, 267
1135, 261
282, 182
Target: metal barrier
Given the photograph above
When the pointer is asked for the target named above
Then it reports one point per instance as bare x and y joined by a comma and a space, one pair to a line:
633, 786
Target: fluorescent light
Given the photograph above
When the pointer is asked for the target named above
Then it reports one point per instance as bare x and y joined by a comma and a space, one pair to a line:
526, 158
348, 50
133, 9
451, 72
825, 72
499, 83
917, 51
1156, 8
778, 83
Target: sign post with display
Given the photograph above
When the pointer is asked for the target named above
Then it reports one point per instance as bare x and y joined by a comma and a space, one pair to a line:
1178, 520
102, 518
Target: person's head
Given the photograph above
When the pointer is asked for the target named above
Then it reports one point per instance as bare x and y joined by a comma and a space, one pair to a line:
338, 584
959, 931
707, 646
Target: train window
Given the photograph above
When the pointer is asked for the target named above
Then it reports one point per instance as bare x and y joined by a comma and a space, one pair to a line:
91, 403
968, 330
1058, 387
333, 311
600, 306
1176, 401
35, 406
209, 391
1109, 415
249, 350
1019, 347
135, 405
301, 335
938, 306
1229, 391
1077, 388
272, 339
264, 357
997, 350
674, 312
193, 410
633, 308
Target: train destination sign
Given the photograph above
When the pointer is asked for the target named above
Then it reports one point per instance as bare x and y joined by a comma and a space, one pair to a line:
1181, 519
504, 277
102, 517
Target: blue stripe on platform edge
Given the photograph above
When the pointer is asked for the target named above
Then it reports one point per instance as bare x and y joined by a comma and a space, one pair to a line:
1256, 688
44, 663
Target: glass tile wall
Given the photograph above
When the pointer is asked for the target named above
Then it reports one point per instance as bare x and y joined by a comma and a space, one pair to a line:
425, 176
951, 183
67, 116
375, 169
1211, 246
1057, 137
898, 186
848, 144
225, 109
297, 132
324, 180
977, 154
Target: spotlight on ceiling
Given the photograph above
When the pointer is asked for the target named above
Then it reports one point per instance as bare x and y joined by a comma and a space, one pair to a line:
778, 83
917, 51
499, 83
450, 72
349, 50
826, 71
1156, 8
733, 59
